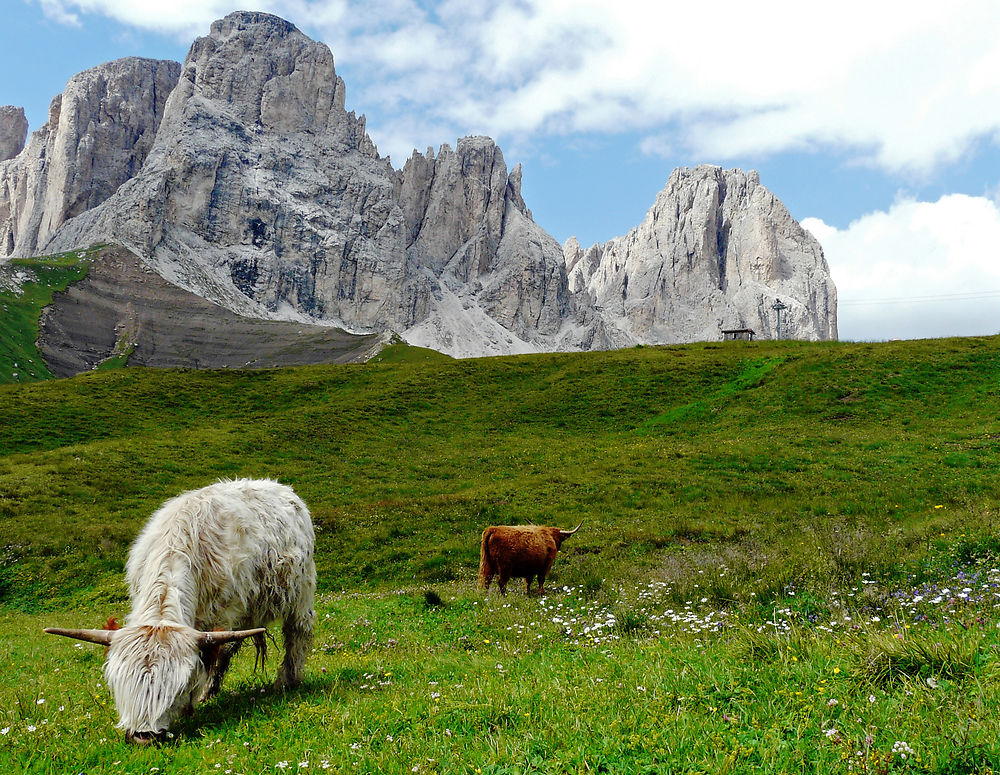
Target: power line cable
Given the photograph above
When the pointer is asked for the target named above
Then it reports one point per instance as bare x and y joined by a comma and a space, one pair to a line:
967, 296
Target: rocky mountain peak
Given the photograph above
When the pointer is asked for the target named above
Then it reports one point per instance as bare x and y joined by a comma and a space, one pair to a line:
715, 251
267, 73
261, 25
253, 186
13, 131
98, 134
465, 201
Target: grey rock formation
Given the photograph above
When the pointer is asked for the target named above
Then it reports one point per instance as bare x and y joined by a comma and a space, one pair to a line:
13, 131
497, 277
97, 136
263, 194
715, 251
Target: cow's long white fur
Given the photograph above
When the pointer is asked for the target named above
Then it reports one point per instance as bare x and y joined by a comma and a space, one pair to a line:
233, 555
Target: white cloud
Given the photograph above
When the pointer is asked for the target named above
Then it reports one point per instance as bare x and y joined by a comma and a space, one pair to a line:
56, 10
907, 84
920, 269
180, 17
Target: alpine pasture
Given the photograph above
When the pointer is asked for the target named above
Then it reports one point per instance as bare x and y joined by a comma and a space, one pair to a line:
790, 560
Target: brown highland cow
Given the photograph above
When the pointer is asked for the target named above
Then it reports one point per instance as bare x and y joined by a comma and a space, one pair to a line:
524, 551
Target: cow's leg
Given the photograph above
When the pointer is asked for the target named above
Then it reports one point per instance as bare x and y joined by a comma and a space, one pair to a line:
502, 581
485, 579
527, 584
298, 637
218, 671
298, 634
542, 575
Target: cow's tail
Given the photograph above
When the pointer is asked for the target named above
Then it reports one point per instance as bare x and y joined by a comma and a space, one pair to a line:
486, 567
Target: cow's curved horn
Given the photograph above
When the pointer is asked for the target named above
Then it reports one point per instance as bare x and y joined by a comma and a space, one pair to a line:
101, 637
570, 532
227, 636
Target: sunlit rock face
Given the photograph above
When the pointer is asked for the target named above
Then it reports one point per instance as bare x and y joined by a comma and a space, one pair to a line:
13, 131
715, 251
97, 136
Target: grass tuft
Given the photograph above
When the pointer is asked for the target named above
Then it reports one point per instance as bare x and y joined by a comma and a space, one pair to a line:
885, 657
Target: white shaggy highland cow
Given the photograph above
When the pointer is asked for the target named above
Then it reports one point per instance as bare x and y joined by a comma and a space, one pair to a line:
210, 568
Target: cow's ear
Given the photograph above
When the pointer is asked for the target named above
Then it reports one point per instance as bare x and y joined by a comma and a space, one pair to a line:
210, 655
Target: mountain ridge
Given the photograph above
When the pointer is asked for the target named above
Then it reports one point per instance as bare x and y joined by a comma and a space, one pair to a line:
261, 193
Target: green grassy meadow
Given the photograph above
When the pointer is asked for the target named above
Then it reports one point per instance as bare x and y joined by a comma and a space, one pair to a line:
20, 360
789, 560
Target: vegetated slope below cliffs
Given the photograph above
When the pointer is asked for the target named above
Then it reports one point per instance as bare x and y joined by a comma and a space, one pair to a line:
123, 312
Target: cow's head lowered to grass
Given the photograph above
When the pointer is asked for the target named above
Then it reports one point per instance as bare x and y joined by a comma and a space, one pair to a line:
521, 551
156, 673
211, 568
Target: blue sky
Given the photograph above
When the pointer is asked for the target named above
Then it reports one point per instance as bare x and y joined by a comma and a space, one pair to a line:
876, 122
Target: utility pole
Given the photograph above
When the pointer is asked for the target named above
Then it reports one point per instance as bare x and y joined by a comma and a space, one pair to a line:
778, 307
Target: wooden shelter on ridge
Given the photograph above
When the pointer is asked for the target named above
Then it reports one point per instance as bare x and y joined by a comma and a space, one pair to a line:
733, 334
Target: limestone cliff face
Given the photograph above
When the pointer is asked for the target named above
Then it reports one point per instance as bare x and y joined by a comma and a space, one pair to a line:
252, 186
263, 194
98, 133
13, 131
715, 251
468, 228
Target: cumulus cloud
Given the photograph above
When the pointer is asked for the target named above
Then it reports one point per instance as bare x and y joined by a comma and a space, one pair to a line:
920, 269
180, 17
905, 84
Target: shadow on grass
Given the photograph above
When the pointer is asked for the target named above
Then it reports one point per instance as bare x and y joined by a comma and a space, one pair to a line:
227, 710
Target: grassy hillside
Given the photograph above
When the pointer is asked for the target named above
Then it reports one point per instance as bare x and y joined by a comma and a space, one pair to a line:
799, 460
20, 360
759, 521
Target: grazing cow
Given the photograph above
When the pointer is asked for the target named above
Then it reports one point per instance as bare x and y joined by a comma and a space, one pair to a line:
526, 550
210, 568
